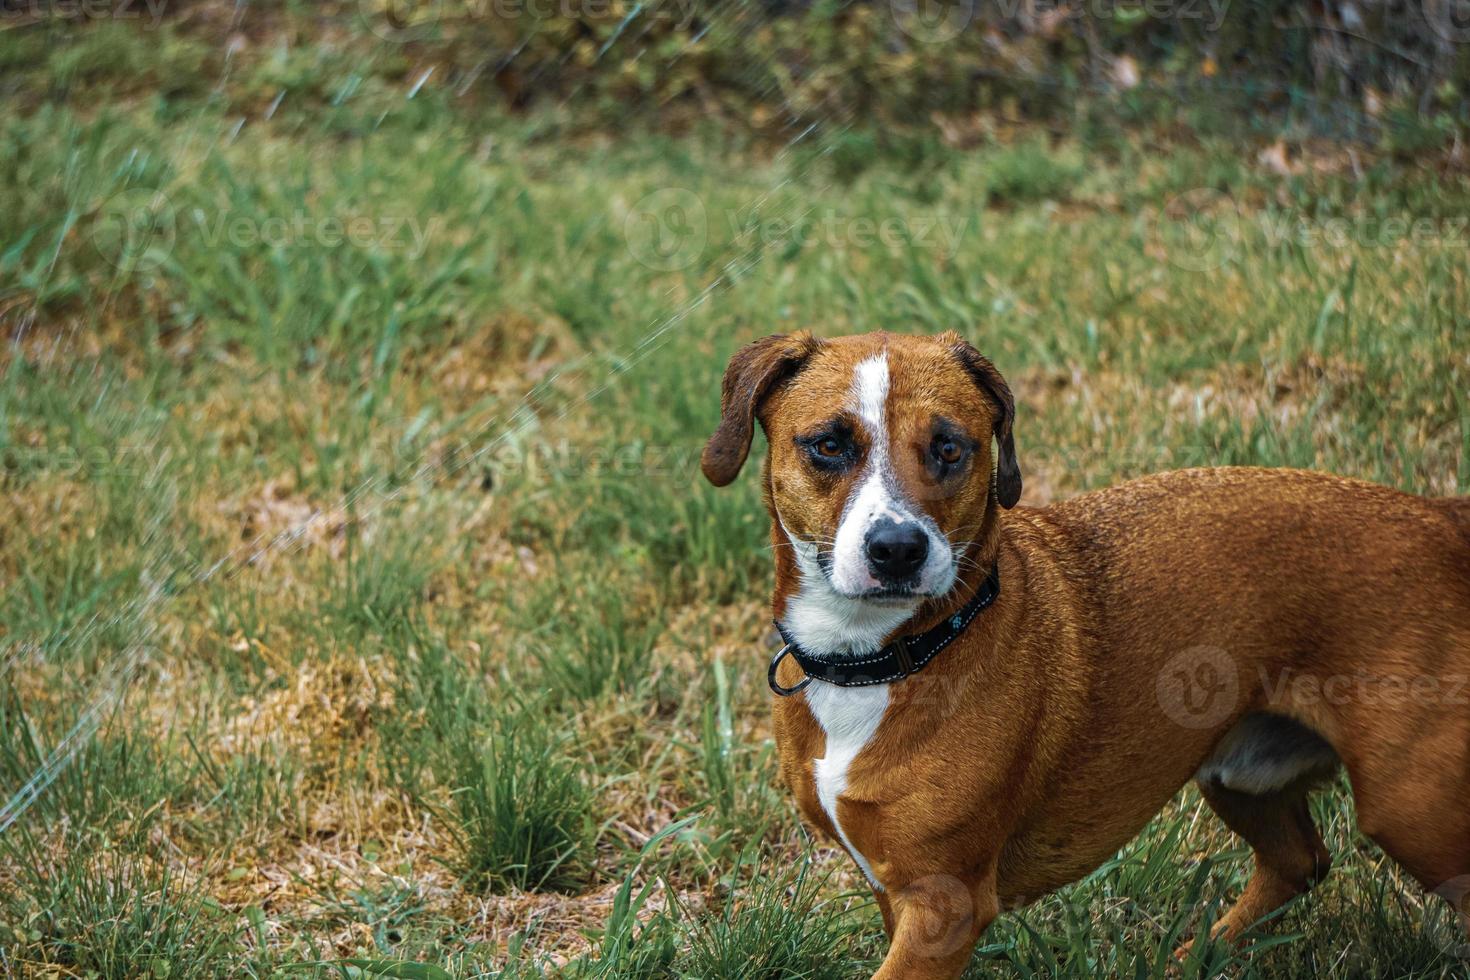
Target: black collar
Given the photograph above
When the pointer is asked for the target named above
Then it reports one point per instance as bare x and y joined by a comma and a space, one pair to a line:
904, 656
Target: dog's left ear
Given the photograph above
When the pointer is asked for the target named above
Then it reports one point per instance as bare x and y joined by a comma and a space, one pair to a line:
751, 375
1007, 470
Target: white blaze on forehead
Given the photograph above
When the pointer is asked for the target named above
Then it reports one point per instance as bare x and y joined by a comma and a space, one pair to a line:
876, 494
870, 393
871, 497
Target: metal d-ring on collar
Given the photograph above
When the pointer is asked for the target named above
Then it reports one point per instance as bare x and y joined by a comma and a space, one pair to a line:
775, 685
904, 656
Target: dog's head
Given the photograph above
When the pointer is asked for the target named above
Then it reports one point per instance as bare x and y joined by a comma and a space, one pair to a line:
881, 460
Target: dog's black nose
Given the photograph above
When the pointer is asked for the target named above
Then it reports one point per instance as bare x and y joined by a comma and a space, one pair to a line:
896, 551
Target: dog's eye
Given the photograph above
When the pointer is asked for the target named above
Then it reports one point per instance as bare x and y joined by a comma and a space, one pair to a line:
948, 451
828, 451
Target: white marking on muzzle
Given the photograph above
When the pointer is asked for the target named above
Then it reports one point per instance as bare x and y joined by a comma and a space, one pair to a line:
877, 496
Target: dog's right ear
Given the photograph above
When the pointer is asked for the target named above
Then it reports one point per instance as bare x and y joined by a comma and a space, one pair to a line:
753, 372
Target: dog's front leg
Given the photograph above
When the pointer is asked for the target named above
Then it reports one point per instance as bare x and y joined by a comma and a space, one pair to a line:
886, 907
934, 923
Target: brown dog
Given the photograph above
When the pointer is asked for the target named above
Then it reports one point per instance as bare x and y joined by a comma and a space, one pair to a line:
983, 704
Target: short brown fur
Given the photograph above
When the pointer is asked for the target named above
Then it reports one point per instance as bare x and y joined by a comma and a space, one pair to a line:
1039, 743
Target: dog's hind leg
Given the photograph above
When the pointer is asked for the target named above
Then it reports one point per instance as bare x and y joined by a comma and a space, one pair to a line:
1418, 810
1411, 778
1257, 780
1289, 854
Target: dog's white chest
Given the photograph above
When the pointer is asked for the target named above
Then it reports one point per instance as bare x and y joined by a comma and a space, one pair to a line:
849, 716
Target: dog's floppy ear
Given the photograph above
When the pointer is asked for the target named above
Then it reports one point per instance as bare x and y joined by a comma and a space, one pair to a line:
751, 375
1007, 470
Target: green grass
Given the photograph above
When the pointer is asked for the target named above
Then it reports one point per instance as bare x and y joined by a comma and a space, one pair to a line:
523, 805
104, 908
434, 624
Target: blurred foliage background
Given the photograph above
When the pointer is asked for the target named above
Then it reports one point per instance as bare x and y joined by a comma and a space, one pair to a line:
1385, 72
361, 605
